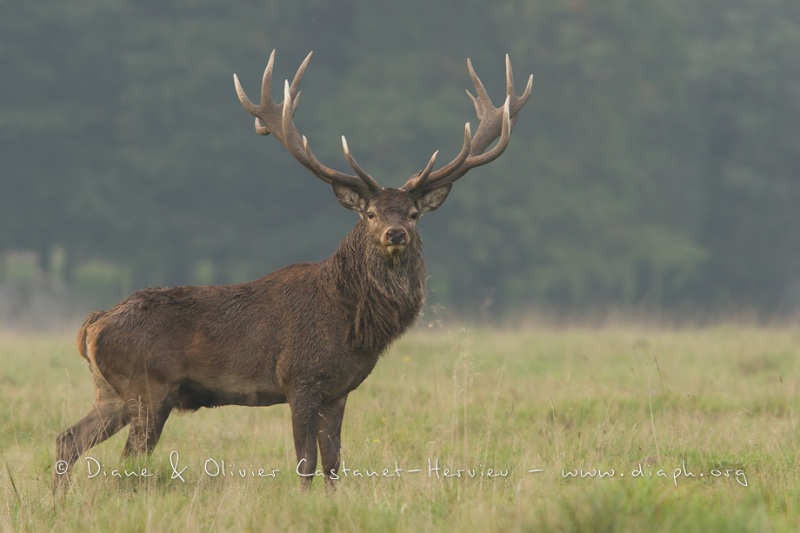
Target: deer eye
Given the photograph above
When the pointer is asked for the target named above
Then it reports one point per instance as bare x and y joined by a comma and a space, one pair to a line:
370, 215
414, 215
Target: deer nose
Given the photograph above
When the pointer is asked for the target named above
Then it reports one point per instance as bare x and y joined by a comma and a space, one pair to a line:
395, 236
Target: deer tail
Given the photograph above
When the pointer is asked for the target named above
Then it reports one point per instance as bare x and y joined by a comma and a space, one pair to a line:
83, 348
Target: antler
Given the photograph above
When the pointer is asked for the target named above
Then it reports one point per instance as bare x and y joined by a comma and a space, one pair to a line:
494, 122
276, 118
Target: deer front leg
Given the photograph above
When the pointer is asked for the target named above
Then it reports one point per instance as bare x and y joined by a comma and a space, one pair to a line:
329, 439
305, 421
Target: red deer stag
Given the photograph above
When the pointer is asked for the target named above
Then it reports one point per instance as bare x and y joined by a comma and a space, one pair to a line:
306, 335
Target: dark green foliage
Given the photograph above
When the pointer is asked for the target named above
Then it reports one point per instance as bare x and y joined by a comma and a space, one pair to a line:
654, 168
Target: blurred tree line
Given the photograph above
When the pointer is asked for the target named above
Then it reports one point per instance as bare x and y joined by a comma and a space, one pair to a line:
655, 167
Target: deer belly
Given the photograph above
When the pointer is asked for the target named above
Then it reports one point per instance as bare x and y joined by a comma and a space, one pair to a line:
193, 395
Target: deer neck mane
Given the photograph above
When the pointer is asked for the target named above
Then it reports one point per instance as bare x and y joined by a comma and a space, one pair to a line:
382, 295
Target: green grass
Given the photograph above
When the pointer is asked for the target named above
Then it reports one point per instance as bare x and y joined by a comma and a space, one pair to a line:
633, 400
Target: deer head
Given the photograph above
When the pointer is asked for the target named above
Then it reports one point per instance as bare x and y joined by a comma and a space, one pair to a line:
390, 214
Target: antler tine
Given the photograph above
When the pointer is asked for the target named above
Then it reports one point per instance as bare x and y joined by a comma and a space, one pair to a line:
493, 123
482, 99
249, 106
427, 170
271, 117
288, 127
266, 94
516, 101
294, 88
266, 81
419, 179
509, 76
460, 158
366, 178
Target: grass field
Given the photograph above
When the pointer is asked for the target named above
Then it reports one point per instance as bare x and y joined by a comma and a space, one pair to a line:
612, 429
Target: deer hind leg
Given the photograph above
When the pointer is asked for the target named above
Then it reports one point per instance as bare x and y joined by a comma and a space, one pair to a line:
329, 438
107, 416
148, 414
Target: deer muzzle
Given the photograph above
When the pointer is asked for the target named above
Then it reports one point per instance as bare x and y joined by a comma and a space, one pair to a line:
395, 239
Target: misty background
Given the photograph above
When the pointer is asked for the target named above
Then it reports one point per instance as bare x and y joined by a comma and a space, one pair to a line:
655, 169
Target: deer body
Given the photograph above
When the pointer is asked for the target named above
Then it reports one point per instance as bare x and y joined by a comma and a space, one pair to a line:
249, 344
306, 335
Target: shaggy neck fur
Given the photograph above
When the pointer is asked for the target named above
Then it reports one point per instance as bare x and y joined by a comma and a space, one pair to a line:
382, 294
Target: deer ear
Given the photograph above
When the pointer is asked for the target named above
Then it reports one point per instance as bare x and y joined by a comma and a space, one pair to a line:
350, 198
433, 199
